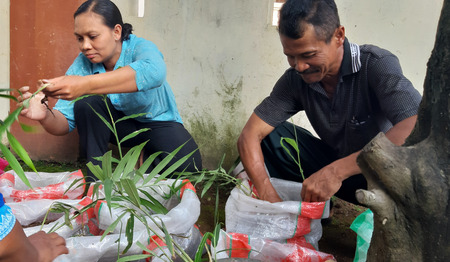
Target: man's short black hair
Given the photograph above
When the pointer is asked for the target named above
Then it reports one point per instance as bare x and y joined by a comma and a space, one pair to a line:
296, 14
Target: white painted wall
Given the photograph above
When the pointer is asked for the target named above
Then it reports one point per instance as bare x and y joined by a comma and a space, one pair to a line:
4, 55
224, 57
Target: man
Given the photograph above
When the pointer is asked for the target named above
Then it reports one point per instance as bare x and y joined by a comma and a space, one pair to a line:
350, 93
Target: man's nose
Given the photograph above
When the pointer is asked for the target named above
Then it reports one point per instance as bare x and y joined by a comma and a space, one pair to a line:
301, 66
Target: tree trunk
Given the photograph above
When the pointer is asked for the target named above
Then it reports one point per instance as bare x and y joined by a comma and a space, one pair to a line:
408, 186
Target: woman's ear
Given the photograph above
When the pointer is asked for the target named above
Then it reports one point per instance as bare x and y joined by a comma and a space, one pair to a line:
117, 31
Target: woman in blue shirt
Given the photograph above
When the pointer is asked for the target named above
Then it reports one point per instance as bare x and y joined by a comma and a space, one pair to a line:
132, 72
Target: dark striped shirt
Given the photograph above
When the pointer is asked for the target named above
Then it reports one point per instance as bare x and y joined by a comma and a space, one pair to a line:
372, 96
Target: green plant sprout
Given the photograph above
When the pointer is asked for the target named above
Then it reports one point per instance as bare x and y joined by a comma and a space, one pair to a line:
13, 142
294, 144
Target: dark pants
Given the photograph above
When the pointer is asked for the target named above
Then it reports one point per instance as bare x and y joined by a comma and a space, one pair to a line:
163, 136
314, 155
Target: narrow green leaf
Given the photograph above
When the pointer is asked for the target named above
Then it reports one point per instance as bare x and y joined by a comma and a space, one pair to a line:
27, 128
154, 204
9, 120
167, 238
291, 142
133, 157
131, 190
96, 170
112, 226
143, 168
134, 257
107, 123
9, 97
15, 165
135, 133
131, 116
107, 184
174, 166
202, 245
207, 185
161, 165
20, 151
129, 229
106, 164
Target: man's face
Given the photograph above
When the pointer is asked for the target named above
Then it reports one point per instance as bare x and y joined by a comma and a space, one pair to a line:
312, 58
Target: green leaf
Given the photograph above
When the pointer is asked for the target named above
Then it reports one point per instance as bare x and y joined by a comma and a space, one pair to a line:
133, 157
293, 144
131, 116
167, 238
162, 164
15, 165
9, 120
9, 97
202, 245
135, 133
131, 190
112, 226
96, 171
103, 119
174, 166
153, 203
129, 233
20, 151
207, 185
106, 164
107, 184
143, 168
28, 129
134, 257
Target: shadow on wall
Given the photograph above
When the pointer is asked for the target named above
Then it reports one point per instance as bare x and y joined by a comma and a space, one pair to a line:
217, 134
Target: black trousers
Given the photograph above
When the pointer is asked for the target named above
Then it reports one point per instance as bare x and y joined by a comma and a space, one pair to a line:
314, 155
164, 136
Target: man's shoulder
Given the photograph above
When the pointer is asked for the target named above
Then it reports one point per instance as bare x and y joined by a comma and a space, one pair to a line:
374, 51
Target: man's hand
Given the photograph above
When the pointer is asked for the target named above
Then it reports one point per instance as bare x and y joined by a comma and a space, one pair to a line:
321, 185
48, 246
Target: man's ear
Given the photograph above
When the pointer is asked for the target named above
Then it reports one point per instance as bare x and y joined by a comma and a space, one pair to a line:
339, 35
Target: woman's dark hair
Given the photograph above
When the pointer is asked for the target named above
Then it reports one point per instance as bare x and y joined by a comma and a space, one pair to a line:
321, 14
110, 13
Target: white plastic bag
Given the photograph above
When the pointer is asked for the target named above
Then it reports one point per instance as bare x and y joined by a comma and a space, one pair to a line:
184, 210
292, 221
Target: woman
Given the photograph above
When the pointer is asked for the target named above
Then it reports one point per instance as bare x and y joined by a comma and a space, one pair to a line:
132, 72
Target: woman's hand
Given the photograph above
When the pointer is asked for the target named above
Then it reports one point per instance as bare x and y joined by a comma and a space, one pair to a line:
36, 109
64, 87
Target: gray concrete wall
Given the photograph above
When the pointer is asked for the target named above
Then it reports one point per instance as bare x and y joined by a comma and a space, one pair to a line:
224, 57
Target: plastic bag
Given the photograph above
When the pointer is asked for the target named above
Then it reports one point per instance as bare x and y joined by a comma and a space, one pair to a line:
363, 226
83, 238
64, 185
290, 226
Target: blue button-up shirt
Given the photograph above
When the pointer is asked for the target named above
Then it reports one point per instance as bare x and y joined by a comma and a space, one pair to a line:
154, 95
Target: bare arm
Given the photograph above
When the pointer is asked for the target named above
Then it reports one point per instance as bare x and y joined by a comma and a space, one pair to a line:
323, 184
53, 121
121, 80
249, 147
41, 247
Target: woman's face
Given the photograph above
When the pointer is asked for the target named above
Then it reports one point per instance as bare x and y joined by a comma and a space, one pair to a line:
98, 42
